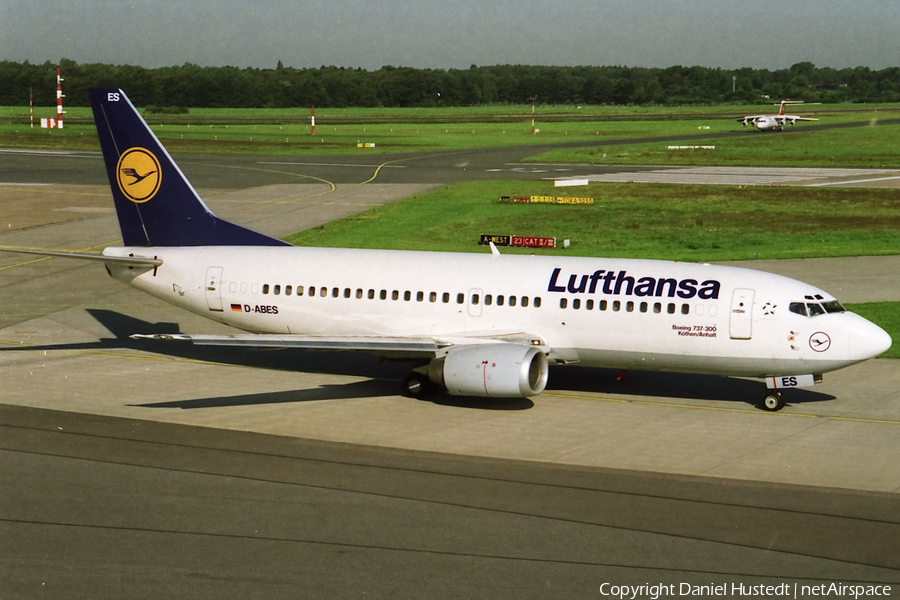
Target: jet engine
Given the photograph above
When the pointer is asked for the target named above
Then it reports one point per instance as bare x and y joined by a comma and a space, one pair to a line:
498, 370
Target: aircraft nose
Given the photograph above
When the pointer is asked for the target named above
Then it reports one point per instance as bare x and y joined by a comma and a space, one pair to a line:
869, 340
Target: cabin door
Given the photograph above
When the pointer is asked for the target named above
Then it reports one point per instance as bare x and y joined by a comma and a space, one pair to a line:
741, 325
213, 293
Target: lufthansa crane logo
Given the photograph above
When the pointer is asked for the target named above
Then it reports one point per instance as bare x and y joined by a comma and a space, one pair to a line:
138, 174
819, 341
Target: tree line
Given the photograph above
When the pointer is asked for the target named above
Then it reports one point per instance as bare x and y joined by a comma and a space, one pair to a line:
193, 86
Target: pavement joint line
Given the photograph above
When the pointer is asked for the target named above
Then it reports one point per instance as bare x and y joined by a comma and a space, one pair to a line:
734, 410
329, 164
25, 264
849, 181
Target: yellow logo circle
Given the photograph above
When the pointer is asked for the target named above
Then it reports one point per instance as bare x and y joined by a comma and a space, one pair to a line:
138, 174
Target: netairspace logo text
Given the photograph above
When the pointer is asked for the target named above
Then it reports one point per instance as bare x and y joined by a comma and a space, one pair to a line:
784, 590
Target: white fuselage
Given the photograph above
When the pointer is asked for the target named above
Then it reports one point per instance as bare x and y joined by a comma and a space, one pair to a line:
769, 123
620, 313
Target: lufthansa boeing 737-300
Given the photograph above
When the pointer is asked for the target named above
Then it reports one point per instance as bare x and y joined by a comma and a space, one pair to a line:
479, 324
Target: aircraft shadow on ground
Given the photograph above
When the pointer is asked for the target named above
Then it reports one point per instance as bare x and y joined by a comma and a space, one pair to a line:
384, 376
672, 385
357, 389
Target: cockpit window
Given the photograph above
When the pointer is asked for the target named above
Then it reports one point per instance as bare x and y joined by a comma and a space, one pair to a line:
814, 309
833, 307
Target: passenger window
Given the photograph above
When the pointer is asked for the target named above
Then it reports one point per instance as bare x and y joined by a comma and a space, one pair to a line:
500, 300
563, 303
359, 293
335, 292
323, 291
589, 305
537, 301
346, 292
488, 299
685, 309
371, 294
299, 290
407, 295
432, 297
265, 288
420, 296
643, 307
603, 305
395, 295
670, 309
287, 290
512, 300
629, 306
657, 307
616, 305
576, 303
460, 298
524, 301
445, 298
277, 290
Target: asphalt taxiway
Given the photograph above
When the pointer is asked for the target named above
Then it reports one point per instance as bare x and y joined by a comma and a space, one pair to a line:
148, 470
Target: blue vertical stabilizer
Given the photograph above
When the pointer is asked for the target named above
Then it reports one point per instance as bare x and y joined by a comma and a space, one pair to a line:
156, 204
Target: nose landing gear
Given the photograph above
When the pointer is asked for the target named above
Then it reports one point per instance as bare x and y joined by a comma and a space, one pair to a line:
773, 401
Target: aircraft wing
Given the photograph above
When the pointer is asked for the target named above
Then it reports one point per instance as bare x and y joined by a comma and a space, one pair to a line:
131, 261
794, 118
415, 345
423, 346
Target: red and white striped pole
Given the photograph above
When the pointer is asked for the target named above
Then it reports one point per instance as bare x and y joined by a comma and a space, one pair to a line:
59, 97
533, 100
312, 121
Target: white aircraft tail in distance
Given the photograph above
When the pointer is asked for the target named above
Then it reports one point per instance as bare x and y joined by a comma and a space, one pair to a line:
774, 122
481, 324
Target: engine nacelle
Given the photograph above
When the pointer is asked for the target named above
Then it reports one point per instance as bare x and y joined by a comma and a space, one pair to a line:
497, 370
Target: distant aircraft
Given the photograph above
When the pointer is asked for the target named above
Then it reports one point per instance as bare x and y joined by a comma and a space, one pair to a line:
774, 122
478, 324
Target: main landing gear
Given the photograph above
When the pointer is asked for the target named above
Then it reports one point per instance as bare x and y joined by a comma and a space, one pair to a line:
773, 401
417, 385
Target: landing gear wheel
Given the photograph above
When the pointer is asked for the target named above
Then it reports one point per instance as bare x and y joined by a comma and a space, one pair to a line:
773, 401
416, 385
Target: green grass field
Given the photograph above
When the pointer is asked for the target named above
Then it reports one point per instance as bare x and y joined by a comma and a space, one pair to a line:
679, 222
287, 132
858, 147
